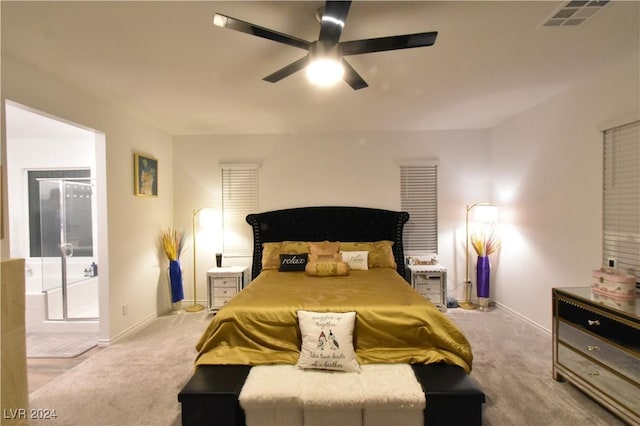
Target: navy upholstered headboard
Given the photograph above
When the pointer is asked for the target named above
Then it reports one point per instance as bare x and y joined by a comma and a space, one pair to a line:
327, 223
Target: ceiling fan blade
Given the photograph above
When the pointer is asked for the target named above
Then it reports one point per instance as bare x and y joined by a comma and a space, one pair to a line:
334, 17
357, 47
256, 30
288, 70
352, 78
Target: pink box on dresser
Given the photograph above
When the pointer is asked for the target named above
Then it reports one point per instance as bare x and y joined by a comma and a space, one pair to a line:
613, 284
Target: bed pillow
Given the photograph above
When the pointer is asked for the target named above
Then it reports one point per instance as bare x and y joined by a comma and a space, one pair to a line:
380, 252
293, 262
295, 247
334, 257
271, 255
327, 269
356, 259
327, 341
271, 252
324, 247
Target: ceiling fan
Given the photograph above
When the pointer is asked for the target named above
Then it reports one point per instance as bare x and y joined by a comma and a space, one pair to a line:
328, 46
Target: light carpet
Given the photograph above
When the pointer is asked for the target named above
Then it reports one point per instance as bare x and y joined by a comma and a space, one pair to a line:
136, 381
60, 345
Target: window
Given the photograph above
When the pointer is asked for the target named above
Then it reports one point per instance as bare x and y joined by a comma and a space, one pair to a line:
621, 199
239, 198
419, 197
60, 207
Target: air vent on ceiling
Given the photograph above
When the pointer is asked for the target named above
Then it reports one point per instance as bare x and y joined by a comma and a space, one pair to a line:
574, 13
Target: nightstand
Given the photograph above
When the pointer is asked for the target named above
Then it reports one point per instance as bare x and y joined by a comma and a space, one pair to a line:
431, 282
223, 284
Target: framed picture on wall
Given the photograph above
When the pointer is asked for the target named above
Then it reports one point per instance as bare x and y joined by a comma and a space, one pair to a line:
145, 175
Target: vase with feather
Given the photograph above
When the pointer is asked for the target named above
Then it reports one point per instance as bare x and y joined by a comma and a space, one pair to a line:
484, 244
172, 242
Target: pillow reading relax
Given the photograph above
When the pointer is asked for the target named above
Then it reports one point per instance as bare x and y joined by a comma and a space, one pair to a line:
327, 341
293, 262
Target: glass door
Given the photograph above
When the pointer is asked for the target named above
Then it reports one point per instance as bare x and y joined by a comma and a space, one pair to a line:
69, 269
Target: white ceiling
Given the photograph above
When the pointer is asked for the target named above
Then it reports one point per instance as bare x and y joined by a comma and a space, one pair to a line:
165, 63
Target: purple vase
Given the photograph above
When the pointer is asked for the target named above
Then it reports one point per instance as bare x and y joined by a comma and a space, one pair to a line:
483, 269
175, 278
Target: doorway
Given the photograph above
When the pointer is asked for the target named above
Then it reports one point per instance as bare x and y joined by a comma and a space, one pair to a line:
52, 163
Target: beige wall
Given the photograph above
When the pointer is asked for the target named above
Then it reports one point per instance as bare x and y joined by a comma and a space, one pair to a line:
131, 265
547, 177
359, 169
542, 167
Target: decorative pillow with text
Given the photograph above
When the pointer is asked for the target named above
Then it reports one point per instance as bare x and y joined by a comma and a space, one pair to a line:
271, 252
380, 252
293, 262
356, 259
327, 341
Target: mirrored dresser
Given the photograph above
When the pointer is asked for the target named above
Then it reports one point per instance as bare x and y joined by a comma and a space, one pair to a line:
596, 347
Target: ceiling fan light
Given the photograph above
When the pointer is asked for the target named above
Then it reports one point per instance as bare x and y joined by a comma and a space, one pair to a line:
325, 71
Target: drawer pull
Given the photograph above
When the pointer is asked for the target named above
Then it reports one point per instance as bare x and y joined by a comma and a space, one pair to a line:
592, 348
594, 373
593, 322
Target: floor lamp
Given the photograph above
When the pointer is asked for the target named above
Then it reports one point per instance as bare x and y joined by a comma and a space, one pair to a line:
195, 307
488, 215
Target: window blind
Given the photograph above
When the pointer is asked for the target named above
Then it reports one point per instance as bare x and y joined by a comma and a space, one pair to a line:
419, 197
621, 199
239, 198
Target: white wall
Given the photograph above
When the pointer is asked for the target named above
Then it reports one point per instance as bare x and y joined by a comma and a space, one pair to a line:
358, 169
547, 178
34, 153
130, 259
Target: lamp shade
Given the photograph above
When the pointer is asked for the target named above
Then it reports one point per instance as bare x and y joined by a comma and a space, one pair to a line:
485, 213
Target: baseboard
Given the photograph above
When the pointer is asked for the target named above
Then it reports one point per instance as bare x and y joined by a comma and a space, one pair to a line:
519, 315
129, 331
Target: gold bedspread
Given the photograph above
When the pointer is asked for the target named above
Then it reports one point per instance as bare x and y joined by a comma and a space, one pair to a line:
394, 324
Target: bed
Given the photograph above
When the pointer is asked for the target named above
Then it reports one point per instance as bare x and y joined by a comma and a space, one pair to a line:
394, 324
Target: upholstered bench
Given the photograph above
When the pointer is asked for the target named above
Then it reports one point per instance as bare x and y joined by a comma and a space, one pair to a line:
211, 395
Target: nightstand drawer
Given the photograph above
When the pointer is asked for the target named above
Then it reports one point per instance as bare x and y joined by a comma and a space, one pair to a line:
224, 291
220, 301
425, 289
429, 279
225, 282
435, 298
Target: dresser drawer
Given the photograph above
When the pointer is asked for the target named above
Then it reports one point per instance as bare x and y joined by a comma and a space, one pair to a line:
225, 282
593, 321
224, 291
615, 387
617, 359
